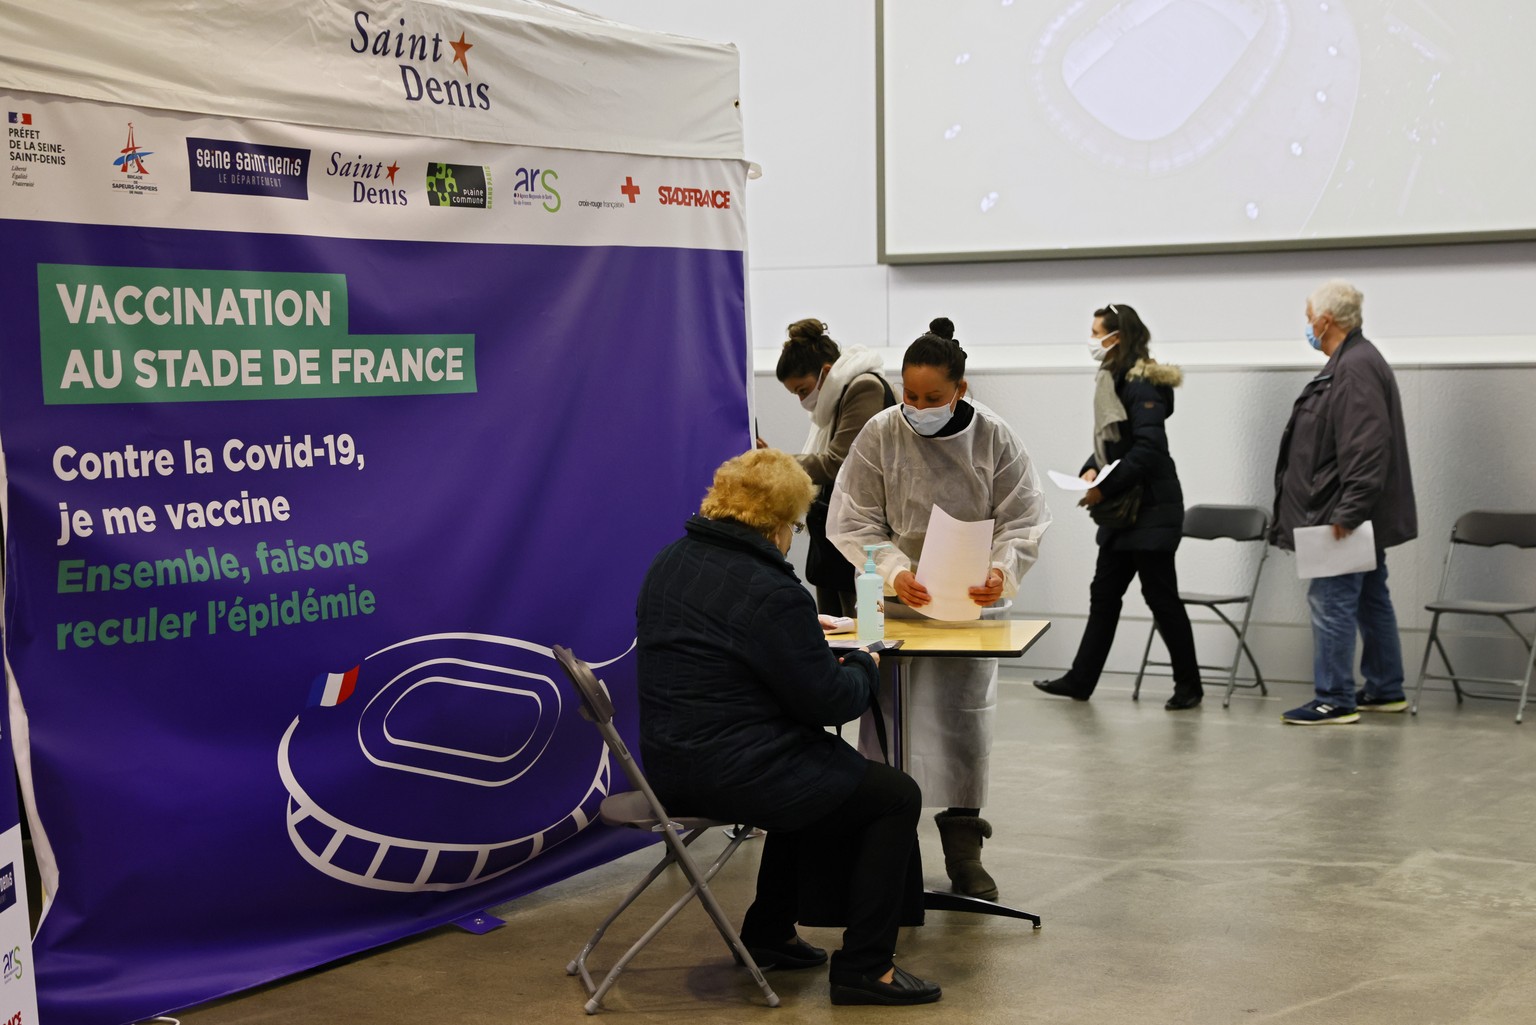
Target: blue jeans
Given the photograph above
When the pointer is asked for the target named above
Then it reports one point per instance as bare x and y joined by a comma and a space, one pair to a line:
1340, 605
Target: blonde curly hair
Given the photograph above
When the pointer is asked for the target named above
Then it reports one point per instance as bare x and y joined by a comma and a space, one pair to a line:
763, 489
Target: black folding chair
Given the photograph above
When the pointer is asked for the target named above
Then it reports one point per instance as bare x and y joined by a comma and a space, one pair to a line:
1484, 530
640, 809
1240, 523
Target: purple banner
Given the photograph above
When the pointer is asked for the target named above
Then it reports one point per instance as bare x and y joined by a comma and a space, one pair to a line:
285, 659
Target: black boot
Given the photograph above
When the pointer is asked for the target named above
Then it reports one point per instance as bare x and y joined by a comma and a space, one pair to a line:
1064, 688
1184, 698
961, 836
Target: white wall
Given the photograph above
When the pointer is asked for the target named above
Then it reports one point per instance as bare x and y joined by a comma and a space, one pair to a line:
1452, 319
1464, 446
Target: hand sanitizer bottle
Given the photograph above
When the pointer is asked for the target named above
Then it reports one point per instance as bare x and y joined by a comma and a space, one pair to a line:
869, 592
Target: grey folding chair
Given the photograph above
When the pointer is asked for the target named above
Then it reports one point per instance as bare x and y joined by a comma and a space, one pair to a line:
640, 809
1240, 523
1484, 530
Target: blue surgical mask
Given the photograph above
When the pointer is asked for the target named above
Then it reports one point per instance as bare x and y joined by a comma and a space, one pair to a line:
1313, 340
930, 421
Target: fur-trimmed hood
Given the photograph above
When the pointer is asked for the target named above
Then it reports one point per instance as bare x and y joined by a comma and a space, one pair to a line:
1153, 372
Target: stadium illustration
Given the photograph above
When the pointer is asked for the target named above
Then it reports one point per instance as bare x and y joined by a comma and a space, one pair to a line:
438, 763
1151, 86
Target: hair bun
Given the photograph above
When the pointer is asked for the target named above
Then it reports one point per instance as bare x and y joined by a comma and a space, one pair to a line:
943, 327
806, 330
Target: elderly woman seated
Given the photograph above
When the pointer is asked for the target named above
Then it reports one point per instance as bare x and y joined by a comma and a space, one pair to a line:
737, 687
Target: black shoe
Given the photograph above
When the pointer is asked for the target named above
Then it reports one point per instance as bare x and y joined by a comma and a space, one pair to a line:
1061, 688
786, 956
1179, 702
904, 988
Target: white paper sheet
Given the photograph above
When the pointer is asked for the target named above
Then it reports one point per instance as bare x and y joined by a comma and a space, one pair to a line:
956, 557
1067, 482
1319, 555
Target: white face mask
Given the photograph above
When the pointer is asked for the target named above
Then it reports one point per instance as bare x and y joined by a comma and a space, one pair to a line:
809, 402
930, 421
1096, 347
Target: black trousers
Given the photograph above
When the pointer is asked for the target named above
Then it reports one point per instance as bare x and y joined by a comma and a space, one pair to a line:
1160, 587
880, 821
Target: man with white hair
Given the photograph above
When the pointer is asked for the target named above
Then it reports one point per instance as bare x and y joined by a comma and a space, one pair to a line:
1344, 462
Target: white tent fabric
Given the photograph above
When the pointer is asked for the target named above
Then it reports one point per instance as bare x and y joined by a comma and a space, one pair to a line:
551, 193
523, 71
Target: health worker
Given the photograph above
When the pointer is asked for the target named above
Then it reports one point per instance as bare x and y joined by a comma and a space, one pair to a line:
941, 448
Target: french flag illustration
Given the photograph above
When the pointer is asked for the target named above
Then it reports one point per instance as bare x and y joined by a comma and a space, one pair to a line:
20, 119
332, 688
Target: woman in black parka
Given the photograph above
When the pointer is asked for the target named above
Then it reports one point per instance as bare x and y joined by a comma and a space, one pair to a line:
737, 686
1133, 398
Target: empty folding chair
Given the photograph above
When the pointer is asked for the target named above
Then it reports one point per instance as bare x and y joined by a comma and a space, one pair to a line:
1485, 530
1240, 523
640, 809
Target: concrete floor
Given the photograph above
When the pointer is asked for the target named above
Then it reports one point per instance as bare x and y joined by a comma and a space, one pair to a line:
1213, 866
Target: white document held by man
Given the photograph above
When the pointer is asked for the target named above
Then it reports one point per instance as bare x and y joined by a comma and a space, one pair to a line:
1319, 555
956, 557
1067, 482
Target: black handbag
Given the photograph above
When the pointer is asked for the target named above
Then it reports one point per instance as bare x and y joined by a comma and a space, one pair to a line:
1119, 512
824, 564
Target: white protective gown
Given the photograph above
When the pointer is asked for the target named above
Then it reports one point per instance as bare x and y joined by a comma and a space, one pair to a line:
885, 492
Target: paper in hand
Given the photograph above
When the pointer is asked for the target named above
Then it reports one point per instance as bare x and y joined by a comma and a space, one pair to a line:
1067, 482
956, 557
1319, 555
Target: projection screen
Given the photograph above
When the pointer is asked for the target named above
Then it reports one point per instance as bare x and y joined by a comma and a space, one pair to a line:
1052, 128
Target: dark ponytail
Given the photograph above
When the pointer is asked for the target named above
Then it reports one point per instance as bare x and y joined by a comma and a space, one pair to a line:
937, 348
808, 350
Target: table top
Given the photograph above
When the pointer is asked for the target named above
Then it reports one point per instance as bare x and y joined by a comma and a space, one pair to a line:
981, 638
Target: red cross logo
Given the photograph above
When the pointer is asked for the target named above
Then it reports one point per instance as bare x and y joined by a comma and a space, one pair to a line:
629, 188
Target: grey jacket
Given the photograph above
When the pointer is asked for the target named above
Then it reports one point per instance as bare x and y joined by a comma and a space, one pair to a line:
1344, 454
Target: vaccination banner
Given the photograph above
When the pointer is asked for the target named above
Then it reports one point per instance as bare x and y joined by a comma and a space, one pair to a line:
18, 992
315, 442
